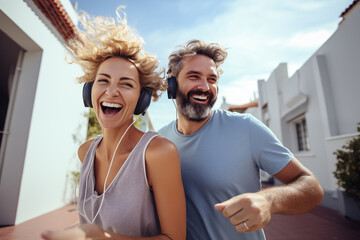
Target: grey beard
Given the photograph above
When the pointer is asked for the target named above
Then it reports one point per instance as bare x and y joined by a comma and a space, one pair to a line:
195, 113
192, 111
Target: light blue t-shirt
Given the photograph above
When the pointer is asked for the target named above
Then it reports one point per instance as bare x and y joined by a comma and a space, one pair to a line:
222, 160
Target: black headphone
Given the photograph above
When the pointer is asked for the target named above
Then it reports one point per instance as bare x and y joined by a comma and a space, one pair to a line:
172, 87
141, 106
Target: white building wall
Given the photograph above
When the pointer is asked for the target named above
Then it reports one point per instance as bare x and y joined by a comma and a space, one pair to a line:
342, 62
316, 117
325, 89
273, 85
57, 124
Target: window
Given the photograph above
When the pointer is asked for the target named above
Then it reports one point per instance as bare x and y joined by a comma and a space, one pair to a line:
301, 134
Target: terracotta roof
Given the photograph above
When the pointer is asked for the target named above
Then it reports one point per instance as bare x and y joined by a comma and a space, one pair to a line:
55, 12
349, 8
242, 108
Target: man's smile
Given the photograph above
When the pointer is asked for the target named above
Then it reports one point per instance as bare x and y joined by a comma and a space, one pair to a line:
199, 96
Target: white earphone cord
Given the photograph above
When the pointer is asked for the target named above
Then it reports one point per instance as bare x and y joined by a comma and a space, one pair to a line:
175, 108
107, 175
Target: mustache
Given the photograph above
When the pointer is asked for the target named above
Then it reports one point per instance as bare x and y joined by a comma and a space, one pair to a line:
198, 92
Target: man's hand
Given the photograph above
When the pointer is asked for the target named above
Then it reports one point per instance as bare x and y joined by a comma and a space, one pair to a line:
300, 193
80, 232
247, 212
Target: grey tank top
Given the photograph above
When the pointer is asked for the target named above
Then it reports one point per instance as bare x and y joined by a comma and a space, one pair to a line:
128, 207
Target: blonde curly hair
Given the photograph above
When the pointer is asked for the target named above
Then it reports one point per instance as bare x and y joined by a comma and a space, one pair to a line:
103, 38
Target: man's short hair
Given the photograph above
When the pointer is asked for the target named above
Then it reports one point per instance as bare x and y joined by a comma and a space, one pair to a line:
213, 50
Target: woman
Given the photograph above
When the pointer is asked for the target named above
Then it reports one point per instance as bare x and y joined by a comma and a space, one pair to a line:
130, 184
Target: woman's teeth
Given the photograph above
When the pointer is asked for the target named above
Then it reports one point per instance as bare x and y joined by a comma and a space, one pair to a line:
111, 105
110, 109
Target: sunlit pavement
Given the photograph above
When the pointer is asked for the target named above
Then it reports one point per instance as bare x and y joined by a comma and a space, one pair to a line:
320, 223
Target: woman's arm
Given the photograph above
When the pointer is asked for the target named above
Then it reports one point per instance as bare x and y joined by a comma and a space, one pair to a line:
164, 176
163, 173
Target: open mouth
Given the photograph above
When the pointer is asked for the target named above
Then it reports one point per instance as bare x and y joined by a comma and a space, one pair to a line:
110, 109
200, 98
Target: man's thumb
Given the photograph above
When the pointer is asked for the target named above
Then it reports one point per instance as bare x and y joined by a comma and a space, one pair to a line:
221, 206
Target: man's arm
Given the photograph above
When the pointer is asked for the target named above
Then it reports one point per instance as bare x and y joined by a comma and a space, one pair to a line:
300, 193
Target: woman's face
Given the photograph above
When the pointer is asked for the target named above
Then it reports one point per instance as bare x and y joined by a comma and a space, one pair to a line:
115, 92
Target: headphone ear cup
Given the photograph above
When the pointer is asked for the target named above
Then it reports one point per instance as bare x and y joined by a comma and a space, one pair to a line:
87, 94
143, 102
172, 88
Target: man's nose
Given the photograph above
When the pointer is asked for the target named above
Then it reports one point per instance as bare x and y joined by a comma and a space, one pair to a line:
203, 84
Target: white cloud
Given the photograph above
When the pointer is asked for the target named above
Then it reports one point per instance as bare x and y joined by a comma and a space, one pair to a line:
311, 39
306, 6
241, 90
259, 35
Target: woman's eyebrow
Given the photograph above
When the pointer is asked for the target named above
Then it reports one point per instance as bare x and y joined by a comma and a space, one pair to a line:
104, 74
122, 78
127, 78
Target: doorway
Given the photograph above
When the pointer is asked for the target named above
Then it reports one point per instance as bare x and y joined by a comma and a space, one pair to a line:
10, 65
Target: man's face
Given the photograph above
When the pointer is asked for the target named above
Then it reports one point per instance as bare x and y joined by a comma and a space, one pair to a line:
197, 87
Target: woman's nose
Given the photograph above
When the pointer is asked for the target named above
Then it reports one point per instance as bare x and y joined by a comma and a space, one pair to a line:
112, 90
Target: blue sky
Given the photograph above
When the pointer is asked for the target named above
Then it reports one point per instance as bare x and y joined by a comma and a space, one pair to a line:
259, 34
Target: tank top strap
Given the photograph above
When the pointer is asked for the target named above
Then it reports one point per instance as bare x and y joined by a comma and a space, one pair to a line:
140, 150
86, 173
89, 157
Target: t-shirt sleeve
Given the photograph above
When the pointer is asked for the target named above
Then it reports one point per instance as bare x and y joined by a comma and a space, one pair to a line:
268, 152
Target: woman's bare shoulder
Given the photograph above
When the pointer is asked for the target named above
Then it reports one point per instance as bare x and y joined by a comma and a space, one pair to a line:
160, 146
84, 148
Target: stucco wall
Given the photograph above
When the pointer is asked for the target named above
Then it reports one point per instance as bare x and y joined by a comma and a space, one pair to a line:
57, 123
342, 59
325, 89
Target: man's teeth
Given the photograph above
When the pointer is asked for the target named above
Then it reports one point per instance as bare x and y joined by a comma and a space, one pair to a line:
197, 97
111, 105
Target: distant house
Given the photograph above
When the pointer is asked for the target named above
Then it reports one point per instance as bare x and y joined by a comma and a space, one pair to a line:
316, 111
250, 107
41, 112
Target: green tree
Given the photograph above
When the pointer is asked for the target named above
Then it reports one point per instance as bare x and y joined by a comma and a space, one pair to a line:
348, 167
138, 121
94, 127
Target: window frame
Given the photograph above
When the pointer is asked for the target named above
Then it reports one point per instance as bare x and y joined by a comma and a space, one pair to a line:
300, 128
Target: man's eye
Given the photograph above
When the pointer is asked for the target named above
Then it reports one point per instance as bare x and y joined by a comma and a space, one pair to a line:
193, 77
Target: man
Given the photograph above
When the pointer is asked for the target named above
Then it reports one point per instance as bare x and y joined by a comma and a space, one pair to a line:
221, 154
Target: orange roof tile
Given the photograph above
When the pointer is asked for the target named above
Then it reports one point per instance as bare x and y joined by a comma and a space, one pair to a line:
242, 108
55, 12
349, 8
